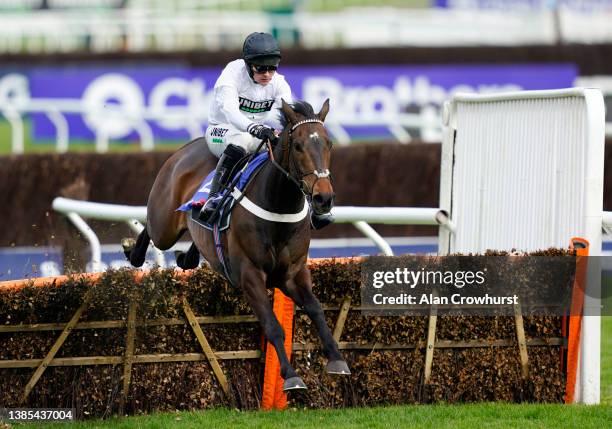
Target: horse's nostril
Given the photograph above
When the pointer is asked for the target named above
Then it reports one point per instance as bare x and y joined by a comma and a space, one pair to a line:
323, 201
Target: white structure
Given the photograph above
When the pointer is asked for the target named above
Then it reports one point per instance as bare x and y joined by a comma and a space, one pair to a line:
525, 171
358, 216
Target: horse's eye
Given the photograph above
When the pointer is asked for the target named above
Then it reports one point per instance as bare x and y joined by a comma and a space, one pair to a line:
330, 144
299, 146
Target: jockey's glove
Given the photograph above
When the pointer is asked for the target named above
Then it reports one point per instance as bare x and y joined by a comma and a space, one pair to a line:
262, 132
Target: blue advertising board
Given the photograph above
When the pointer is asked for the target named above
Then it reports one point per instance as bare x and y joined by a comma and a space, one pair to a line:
174, 99
28, 262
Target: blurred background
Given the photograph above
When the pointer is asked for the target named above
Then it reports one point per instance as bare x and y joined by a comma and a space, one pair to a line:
95, 94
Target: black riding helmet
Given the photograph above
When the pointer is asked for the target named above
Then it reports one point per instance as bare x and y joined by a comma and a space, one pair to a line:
260, 49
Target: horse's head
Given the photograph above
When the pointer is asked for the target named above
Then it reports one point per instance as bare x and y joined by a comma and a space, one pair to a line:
307, 149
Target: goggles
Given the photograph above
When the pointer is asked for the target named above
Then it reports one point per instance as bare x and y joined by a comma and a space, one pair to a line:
263, 69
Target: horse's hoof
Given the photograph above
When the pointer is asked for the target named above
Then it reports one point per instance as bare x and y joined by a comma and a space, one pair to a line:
179, 257
294, 383
128, 244
337, 367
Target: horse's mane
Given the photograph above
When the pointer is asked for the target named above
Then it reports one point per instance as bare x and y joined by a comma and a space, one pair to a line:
302, 107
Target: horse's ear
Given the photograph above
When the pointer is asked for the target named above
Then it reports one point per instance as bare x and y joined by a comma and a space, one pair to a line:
288, 112
324, 110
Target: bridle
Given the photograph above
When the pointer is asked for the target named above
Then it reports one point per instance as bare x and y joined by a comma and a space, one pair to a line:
298, 178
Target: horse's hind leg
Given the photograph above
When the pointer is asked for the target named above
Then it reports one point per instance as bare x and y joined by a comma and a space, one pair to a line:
188, 260
300, 291
136, 251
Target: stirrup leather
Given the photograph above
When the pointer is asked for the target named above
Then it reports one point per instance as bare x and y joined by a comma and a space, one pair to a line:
227, 161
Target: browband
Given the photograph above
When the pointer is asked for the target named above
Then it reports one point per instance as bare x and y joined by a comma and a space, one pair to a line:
305, 121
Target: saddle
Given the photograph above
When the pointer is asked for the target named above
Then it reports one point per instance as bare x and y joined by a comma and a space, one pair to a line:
241, 175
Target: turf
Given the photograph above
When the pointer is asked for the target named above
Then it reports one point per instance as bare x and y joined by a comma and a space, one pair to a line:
423, 416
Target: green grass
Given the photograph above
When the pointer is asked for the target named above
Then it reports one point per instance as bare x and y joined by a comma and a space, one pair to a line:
490, 415
76, 145
606, 360
422, 416
310, 5
337, 5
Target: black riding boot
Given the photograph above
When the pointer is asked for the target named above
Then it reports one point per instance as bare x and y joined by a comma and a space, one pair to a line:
319, 221
227, 161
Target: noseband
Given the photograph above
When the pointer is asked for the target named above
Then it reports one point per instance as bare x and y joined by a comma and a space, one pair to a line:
299, 180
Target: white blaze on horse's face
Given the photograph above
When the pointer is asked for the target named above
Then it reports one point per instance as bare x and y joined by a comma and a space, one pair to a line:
315, 157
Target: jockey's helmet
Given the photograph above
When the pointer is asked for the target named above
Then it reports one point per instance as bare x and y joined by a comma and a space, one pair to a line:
261, 49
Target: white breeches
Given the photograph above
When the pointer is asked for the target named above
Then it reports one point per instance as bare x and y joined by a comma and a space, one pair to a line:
221, 135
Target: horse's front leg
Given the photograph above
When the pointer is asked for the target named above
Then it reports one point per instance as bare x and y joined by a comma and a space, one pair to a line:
300, 290
253, 282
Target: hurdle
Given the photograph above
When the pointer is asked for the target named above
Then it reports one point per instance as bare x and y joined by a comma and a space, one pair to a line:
524, 170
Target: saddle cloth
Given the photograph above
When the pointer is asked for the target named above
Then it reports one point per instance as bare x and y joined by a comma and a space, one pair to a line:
201, 196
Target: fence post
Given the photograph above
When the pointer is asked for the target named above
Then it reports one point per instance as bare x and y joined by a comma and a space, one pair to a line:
431, 340
129, 353
575, 317
344, 309
520, 337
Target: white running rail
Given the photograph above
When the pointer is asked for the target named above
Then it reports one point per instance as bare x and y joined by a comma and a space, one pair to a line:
133, 215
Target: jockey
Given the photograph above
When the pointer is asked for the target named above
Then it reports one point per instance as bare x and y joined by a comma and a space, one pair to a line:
244, 95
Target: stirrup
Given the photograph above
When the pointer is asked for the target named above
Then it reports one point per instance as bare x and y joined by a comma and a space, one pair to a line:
319, 221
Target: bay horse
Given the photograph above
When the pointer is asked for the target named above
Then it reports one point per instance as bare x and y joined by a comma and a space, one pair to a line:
261, 253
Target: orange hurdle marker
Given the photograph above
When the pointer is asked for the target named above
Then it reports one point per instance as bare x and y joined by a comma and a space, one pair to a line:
575, 316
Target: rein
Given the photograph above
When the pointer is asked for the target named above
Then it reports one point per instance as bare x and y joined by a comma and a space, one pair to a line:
299, 182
